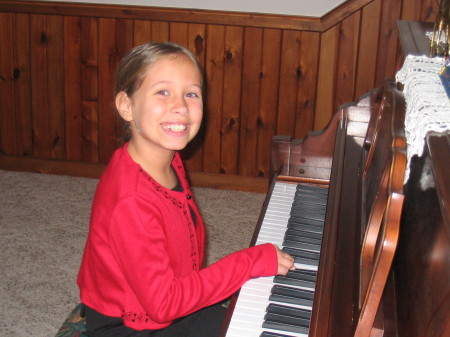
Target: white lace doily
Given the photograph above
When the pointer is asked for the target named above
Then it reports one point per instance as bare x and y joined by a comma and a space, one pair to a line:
427, 104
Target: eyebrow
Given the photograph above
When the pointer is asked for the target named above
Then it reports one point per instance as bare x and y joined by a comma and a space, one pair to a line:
164, 82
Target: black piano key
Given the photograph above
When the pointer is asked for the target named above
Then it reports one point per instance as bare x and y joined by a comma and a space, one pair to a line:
309, 202
301, 245
313, 205
286, 323
304, 204
283, 294
300, 237
272, 334
294, 292
303, 239
285, 318
289, 311
320, 202
305, 221
308, 209
301, 219
283, 323
314, 237
314, 217
313, 195
305, 227
301, 274
316, 194
290, 281
298, 277
303, 256
316, 202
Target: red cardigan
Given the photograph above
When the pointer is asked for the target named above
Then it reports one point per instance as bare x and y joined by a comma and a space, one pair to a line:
143, 255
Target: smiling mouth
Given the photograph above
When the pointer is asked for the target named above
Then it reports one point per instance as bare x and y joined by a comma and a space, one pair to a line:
174, 127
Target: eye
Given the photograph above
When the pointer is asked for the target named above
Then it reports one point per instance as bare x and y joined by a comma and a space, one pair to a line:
162, 92
192, 95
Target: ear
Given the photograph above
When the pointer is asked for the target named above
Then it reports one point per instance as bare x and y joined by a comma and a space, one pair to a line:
123, 106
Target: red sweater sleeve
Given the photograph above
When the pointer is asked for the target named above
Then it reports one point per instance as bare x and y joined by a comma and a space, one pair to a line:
139, 245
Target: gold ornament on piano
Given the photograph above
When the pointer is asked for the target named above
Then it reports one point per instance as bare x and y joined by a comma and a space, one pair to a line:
440, 39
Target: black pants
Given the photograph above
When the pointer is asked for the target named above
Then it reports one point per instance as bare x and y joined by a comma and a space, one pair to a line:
203, 323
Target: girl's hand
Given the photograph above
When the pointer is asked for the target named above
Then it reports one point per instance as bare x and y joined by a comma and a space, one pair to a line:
285, 262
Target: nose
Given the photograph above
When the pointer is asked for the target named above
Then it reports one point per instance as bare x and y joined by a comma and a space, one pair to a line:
180, 105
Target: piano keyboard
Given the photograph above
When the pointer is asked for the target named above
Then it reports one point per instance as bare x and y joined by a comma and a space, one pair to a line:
265, 302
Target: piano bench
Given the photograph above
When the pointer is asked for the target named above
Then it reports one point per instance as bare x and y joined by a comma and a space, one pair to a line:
74, 325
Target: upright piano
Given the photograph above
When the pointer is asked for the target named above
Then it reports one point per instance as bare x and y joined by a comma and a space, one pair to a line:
372, 253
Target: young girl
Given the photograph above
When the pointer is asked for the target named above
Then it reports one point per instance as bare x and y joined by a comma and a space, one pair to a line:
141, 273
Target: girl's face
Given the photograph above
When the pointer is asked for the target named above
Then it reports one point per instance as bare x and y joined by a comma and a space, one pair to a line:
165, 113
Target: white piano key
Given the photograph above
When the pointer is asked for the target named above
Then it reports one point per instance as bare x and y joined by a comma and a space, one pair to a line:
250, 308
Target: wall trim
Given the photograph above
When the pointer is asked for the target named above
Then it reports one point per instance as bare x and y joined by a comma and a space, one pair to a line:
94, 170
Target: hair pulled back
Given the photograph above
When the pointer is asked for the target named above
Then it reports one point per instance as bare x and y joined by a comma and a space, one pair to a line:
133, 67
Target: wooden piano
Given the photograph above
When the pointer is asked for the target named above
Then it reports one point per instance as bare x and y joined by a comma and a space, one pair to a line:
372, 254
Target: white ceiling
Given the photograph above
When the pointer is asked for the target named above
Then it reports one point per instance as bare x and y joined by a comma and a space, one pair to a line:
315, 8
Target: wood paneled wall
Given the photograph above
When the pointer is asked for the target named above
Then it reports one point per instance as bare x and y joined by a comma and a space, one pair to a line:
265, 75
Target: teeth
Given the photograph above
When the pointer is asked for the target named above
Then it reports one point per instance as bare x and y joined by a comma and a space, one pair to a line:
175, 127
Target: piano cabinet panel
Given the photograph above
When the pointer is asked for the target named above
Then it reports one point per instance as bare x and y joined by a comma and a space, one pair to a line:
422, 265
345, 295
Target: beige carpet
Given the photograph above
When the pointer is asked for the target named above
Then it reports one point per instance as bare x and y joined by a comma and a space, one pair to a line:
43, 227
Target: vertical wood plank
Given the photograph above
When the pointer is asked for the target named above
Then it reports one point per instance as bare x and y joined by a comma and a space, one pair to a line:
72, 87
160, 31
116, 40
348, 44
251, 86
197, 41
288, 87
193, 154
326, 78
89, 89
230, 124
429, 10
55, 61
266, 121
142, 32
39, 86
22, 91
109, 121
306, 71
411, 9
178, 33
368, 48
124, 36
388, 41
7, 118
213, 113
